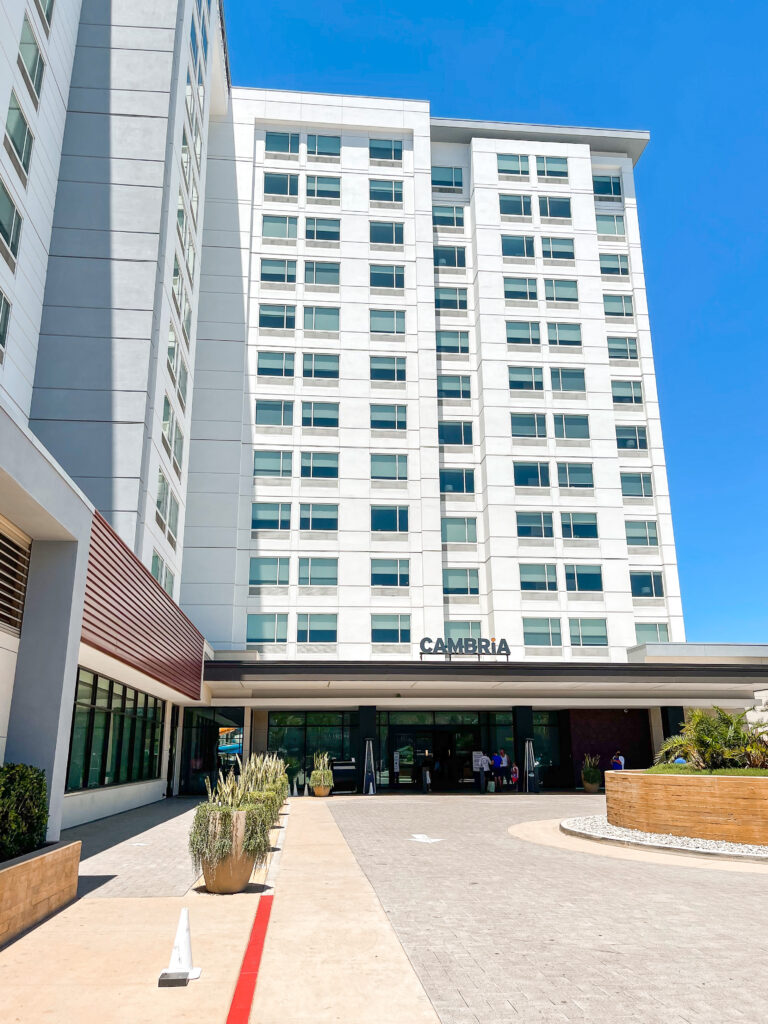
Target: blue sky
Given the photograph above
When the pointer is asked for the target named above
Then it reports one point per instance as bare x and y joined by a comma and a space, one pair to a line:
694, 74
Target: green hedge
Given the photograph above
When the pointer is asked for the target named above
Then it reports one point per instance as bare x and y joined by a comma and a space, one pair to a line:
23, 809
689, 769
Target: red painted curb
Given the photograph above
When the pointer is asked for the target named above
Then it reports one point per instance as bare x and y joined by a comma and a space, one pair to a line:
240, 1008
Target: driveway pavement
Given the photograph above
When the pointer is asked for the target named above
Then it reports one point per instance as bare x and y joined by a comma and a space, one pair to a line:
502, 930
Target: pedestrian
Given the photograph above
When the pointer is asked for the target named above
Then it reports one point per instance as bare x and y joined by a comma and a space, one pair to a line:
515, 777
621, 758
485, 768
496, 762
504, 766
616, 762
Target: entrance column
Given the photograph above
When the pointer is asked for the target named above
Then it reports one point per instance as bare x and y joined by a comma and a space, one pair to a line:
522, 717
367, 730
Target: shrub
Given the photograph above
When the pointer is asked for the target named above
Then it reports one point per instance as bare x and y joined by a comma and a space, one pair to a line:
590, 772
719, 740
23, 809
689, 769
322, 776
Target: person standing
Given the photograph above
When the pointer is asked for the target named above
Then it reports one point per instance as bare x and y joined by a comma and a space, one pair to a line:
496, 763
515, 777
616, 762
504, 767
485, 768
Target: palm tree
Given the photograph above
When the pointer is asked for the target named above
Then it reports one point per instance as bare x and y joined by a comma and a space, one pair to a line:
719, 740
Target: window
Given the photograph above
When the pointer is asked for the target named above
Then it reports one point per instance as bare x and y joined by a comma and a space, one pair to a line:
173, 437
461, 581
646, 584
534, 524
319, 366
517, 246
584, 578
651, 632
538, 576
627, 392
561, 291
278, 271
10, 221
5, 314
277, 317
552, 167
447, 177
321, 273
448, 216
18, 132
390, 572
622, 348
588, 632
526, 378
162, 574
385, 190
520, 289
458, 530
204, 40
512, 163
319, 517
579, 525
389, 518
454, 432
529, 424
450, 298
574, 428
462, 630
278, 227
642, 533
268, 572
390, 629
388, 417
163, 499
515, 206
385, 149
523, 332
271, 413
618, 305
555, 207
318, 572
564, 379
272, 463
275, 364
531, 474
319, 187
31, 58
614, 264
322, 229
385, 276
557, 248
450, 256
565, 335
46, 7
386, 232
280, 184
321, 318
117, 734
575, 474
636, 485
606, 185
319, 414
388, 368
456, 342
389, 467
457, 481
324, 145
387, 321
632, 438
267, 628
269, 515
610, 224
541, 633
282, 142
452, 386
320, 465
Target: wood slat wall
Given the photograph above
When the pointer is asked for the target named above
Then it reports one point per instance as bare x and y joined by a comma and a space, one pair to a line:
730, 808
128, 614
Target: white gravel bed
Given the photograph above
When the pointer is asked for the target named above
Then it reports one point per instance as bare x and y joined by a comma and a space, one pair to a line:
596, 826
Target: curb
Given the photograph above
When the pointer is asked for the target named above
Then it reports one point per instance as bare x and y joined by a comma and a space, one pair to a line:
679, 850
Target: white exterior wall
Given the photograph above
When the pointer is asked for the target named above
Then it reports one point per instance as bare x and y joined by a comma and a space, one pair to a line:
218, 540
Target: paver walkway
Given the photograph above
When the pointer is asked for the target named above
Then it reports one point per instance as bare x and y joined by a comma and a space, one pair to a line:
503, 930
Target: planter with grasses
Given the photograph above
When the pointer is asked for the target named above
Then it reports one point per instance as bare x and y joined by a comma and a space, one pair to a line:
321, 779
590, 773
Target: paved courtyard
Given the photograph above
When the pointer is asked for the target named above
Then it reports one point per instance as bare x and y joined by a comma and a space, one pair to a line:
503, 930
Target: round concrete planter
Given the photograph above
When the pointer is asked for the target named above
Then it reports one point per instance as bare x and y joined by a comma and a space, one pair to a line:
322, 790
733, 808
590, 787
232, 874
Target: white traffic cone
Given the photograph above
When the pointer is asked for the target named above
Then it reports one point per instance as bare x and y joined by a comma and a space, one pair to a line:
306, 789
180, 970
295, 789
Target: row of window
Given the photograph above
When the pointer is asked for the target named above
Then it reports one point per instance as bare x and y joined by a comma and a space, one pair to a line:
322, 628
578, 475
564, 335
555, 169
282, 144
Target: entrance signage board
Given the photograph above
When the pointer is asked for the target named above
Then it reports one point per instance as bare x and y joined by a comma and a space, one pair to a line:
477, 760
396, 762
464, 645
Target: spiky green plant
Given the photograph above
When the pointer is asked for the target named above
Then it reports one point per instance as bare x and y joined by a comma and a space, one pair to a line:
322, 776
717, 740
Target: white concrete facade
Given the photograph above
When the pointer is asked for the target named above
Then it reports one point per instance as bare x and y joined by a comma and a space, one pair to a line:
236, 337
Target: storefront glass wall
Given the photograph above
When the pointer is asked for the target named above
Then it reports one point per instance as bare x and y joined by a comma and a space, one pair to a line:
212, 742
298, 735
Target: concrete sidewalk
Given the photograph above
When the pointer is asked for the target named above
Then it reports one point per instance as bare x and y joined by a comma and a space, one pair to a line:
331, 954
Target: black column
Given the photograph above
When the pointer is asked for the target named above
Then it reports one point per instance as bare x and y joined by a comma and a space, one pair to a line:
672, 719
367, 730
523, 729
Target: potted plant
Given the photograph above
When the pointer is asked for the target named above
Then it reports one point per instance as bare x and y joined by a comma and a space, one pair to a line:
230, 833
321, 779
590, 773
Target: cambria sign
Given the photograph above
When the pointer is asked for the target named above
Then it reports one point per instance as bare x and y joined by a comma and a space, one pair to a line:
464, 645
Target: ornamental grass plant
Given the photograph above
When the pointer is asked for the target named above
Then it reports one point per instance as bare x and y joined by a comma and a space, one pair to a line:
322, 776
